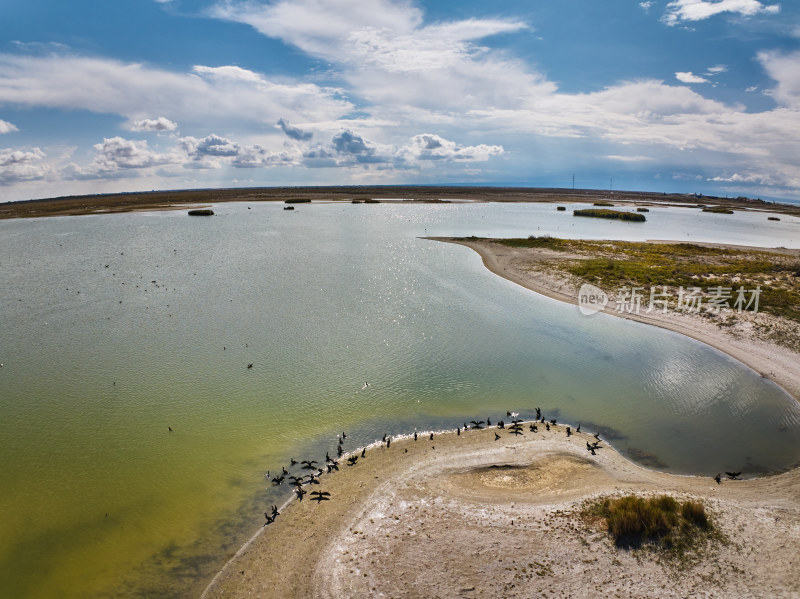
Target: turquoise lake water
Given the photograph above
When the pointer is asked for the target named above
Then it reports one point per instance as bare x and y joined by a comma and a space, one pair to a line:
115, 327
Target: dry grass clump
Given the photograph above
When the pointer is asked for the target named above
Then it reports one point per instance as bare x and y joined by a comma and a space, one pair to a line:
661, 523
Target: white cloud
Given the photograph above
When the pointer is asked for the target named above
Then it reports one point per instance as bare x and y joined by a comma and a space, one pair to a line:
646, 5
689, 77
6, 127
159, 124
21, 165
784, 68
136, 92
630, 158
430, 147
716, 70
697, 10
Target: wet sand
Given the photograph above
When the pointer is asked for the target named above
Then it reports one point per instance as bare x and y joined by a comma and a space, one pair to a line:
471, 516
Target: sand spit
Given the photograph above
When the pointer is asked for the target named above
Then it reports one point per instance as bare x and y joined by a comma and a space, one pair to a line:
770, 360
474, 516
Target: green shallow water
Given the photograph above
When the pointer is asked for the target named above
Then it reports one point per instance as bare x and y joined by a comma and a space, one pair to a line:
100, 499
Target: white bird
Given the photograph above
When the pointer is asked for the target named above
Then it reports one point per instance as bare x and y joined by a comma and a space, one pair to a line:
365, 386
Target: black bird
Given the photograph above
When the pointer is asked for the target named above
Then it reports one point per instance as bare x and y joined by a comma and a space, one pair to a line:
534, 428
320, 496
292, 461
431, 437
488, 422
249, 365
538, 413
339, 451
275, 511
733, 475
578, 429
333, 466
277, 480
718, 478
415, 435
312, 480
569, 432
597, 436
516, 421
501, 424
384, 439
270, 519
300, 492
388, 442
496, 437
517, 432
553, 421
285, 472
363, 452
547, 425
352, 460
309, 464
508, 414
343, 435
476, 424
294, 480
458, 431
328, 457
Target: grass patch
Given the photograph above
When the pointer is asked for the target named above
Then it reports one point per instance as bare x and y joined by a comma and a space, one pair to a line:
642, 209
669, 527
617, 214
612, 265
773, 218
602, 204
718, 210
561, 208
545, 241
201, 212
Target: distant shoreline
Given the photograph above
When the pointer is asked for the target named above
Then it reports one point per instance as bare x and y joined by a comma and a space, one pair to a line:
177, 200
771, 361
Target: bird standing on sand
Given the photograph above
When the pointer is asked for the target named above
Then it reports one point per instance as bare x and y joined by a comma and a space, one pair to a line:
496, 437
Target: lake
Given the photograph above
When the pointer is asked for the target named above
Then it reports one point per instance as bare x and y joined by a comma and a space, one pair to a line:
116, 328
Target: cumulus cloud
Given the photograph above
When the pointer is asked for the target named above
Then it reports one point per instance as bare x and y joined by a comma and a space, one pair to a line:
646, 5
160, 124
689, 77
428, 146
6, 127
698, 10
294, 132
21, 165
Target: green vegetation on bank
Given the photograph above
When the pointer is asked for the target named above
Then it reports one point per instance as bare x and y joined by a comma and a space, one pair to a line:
603, 213
612, 265
663, 524
718, 210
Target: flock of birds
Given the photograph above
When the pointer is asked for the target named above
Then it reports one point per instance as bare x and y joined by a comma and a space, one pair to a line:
303, 473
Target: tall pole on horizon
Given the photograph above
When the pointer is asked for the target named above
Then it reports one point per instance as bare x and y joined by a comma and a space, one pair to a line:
573, 180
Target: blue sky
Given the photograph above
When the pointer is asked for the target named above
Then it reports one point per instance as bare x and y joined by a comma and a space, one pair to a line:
661, 95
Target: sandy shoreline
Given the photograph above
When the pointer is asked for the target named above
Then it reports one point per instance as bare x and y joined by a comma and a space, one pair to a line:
487, 514
771, 361
476, 516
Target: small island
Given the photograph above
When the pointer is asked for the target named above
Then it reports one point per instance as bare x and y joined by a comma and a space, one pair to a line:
604, 213
201, 212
